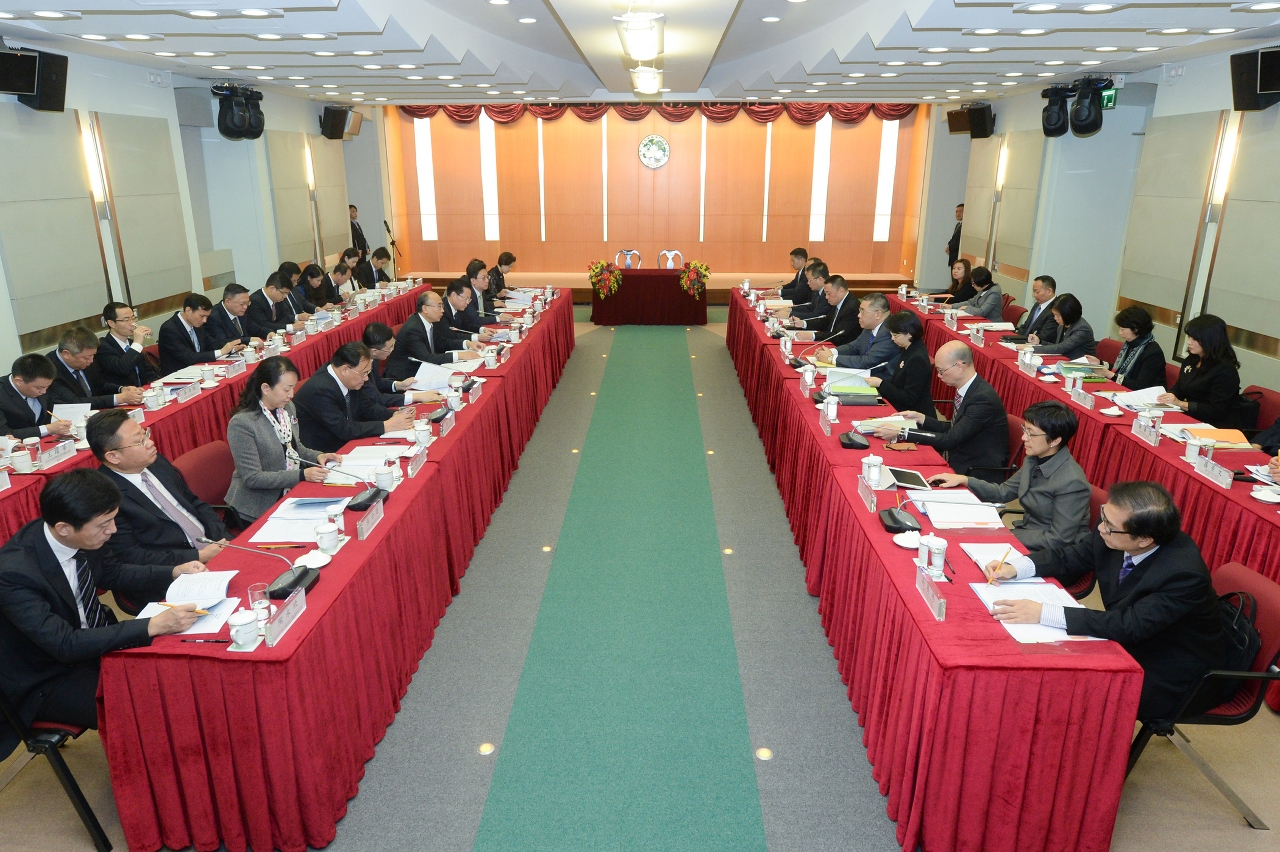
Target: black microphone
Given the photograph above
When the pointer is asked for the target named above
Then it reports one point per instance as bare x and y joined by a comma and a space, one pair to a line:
286, 583
372, 493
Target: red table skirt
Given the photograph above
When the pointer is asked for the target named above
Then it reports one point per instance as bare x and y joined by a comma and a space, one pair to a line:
649, 297
19, 503
210, 748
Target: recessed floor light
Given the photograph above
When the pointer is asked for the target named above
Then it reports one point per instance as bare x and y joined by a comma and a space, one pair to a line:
979, 50
89, 37
1174, 31
487, 748
986, 31
202, 13
1092, 62
255, 13
528, 20
1055, 62
1145, 49
138, 37
1031, 32
205, 53
268, 36
771, 19
931, 62
1221, 30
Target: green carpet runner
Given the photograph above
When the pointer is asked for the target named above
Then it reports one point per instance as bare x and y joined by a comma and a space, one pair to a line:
628, 729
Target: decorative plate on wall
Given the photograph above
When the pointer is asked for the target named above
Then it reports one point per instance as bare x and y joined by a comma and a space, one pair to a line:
654, 151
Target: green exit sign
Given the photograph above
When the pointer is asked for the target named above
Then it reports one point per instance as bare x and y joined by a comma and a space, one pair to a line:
1108, 98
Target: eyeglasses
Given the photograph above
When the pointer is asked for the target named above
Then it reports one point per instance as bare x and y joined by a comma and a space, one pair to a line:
1105, 526
1031, 434
146, 436
941, 370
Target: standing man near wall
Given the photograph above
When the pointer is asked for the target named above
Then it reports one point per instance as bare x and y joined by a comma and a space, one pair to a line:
953, 244
358, 241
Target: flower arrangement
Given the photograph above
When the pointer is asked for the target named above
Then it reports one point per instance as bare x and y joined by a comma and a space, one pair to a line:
694, 276
605, 278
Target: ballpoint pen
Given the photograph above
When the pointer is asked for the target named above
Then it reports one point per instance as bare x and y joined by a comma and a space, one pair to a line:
209, 641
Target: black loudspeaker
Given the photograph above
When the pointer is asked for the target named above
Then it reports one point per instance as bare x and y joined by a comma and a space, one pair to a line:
1244, 84
334, 122
257, 121
982, 121
958, 121
1086, 112
1053, 118
51, 84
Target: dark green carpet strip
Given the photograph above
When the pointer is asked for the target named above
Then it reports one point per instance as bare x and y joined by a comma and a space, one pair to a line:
628, 730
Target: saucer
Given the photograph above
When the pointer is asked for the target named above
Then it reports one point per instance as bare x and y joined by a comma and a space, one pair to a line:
1113, 411
909, 540
208, 385
1265, 496
313, 559
1049, 379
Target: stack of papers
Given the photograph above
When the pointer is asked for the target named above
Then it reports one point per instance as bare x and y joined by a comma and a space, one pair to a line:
185, 376
775, 304
1261, 473
1142, 400
985, 553
993, 326
866, 427
208, 591
1044, 593
431, 377
295, 521
954, 516
1223, 439
841, 380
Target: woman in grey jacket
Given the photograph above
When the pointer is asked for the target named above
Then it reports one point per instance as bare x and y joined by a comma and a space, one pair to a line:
1074, 336
989, 302
263, 434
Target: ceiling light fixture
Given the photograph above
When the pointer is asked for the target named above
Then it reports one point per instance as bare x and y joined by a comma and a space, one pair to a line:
202, 13
329, 86
371, 67
493, 92
268, 36
1055, 62
931, 63
784, 91
499, 2
986, 31
1046, 74
256, 67
771, 19
314, 36
407, 67
94, 37
1014, 74
818, 83
1264, 7
979, 82
1008, 83
363, 52
414, 77
775, 97
1092, 62
979, 50
952, 91
301, 86
220, 67
379, 99
1220, 30
928, 97
530, 99
1145, 49
165, 53
529, 21
203, 53
646, 80
49, 14
297, 78
889, 74
5, 16
849, 83
1174, 31
811, 91
896, 62
979, 91
857, 74
359, 100
483, 85
1042, 7
266, 78
1105, 49
517, 92
255, 13
1097, 7
357, 93
953, 97
935, 49
323, 53
640, 34
1032, 32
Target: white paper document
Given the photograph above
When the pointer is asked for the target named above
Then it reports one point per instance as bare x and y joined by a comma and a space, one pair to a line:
1177, 431
994, 326
211, 623
866, 427
951, 495
432, 377
984, 553
951, 516
285, 531
207, 587
469, 366
1045, 593
1142, 399
309, 508
73, 412
373, 455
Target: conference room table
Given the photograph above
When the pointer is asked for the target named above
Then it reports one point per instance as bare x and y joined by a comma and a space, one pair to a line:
19, 503
649, 297
262, 750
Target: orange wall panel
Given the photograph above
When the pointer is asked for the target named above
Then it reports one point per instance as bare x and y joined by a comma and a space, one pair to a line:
734, 194
574, 193
455, 155
790, 191
518, 222
851, 197
653, 210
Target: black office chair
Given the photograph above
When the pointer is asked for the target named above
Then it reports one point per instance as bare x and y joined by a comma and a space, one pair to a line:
46, 738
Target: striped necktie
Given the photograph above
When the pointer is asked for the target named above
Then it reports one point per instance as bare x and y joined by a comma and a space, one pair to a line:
1125, 567
95, 615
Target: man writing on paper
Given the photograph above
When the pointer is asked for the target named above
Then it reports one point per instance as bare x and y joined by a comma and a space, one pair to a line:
160, 519
977, 436
25, 410
1160, 603
332, 411
54, 630
874, 349
370, 273
267, 313
425, 338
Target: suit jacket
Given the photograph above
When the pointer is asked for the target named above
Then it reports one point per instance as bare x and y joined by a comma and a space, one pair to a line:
263, 316
40, 634
368, 276
1042, 322
1070, 341
221, 327
412, 345
66, 389
326, 422
382, 389
964, 294
868, 351
1164, 613
1148, 371
358, 241
1269, 438
1055, 499
1213, 391
176, 350
296, 301
977, 434
116, 367
953, 246
797, 289
817, 306
325, 294
468, 320
989, 303
146, 535
840, 326
910, 388
260, 477
16, 417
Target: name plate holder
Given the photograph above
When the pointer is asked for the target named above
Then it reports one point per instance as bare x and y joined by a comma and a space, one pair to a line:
417, 460
4, 480
474, 393
867, 492
976, 338
932, 597
298, 336
824, 423
279, 624
950, 319
1083, 397
1027, 367
370, 520
446, 425
271, 350
187, 392
806, 387
137, 414
55, 455
1146, 431
1214, 472
235, 368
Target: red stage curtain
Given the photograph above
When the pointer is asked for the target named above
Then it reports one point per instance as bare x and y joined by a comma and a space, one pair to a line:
548, 112
420, 110
504, 113
675, 112
720, 112
632, 112
762, 113
805, 113
462, 113
589, 112
892, 112
849, 113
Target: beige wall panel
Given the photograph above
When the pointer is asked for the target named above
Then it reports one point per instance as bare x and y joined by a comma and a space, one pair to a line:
1177, 154
1243, 288
1018, 198
291, 197
44, 158
1158, 248
979, 189
331, 198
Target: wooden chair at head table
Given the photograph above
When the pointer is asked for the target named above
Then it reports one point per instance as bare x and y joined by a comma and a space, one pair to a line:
630, 259
667, 259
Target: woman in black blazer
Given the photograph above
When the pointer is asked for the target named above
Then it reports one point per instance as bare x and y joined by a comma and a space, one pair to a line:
961, 289
910, 388
1074, 336
317, 290
1140, 362
1209, 386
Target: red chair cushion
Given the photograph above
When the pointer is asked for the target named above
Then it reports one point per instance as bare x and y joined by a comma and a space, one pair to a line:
1109, 350
208, 471
1013, 313
1269, 405
1240, 703
71, 730
1171, 373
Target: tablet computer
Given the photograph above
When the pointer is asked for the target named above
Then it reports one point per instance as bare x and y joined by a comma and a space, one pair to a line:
908, 478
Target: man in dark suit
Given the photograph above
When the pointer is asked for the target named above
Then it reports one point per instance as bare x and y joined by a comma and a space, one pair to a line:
53, 629
161, 521
72, 359
267, 314
226, 320
386, 392
332, 411
372, 272
816, 274
841, 325
340, 281
1039, 317
25, 410
120, 362
183, 340
874, 348
1159, 599
459, 310
358, 240
480, 308
953, 244
797, 288
426, 338
978, 434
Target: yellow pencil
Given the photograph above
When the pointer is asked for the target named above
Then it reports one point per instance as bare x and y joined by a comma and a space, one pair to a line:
196, 611
1007, 551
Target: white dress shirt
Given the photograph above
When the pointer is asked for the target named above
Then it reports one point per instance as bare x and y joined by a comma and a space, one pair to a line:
1053, 615
66, 557
44, 430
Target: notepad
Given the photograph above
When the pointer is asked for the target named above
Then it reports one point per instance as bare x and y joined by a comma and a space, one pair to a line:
431, 377
984, 553
211, 623
1144, 399
952, 516
204, 589
866, 427
1045, 593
